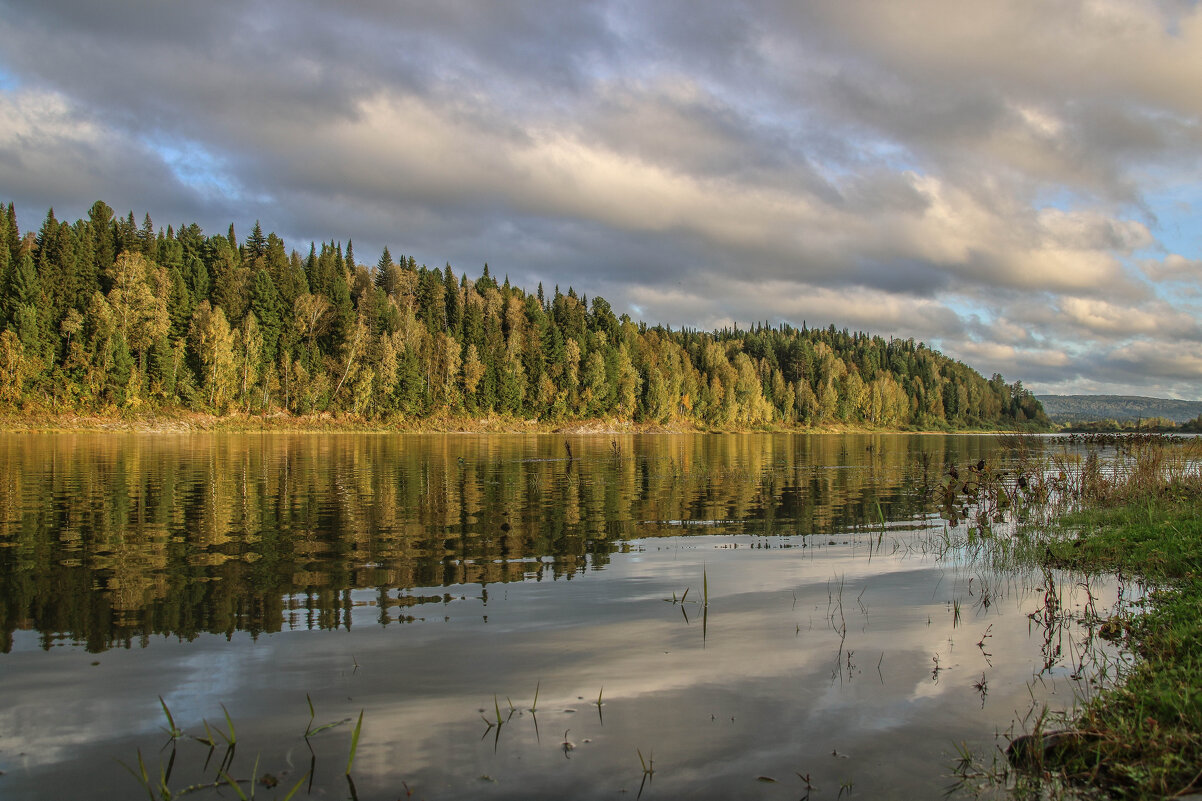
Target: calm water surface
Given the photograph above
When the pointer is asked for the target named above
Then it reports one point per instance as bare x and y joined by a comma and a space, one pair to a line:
435, 582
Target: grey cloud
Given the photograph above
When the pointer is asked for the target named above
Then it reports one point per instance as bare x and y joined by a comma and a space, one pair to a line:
699, 161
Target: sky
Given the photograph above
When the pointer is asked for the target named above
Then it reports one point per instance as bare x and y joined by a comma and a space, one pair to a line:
1014, 183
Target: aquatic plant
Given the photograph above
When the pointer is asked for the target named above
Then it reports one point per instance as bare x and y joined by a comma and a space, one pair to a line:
350, 760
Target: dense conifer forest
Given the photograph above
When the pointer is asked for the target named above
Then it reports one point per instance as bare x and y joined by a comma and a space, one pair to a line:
106, 316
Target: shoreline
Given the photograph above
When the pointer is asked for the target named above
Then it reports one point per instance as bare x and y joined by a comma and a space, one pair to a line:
195, 422
1142, 736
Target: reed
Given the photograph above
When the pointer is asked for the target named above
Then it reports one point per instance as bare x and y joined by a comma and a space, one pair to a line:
648, 763
310, 730
231, 739
173, 731
350, 760
234, 783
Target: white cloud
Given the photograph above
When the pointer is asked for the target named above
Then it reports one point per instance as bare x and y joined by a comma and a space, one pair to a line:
878, 166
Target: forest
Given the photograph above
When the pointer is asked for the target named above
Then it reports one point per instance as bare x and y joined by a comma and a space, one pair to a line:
105, 316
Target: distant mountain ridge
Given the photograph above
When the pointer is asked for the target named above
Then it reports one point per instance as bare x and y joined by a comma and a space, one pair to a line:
1084, 408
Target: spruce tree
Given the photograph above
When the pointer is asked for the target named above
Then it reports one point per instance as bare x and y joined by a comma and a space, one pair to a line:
265, 305
100, 229
454, 317
384, 263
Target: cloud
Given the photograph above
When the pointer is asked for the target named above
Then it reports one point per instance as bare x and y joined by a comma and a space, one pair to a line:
1101, 318
880, 167
1173, 268
54, 154
1178, 362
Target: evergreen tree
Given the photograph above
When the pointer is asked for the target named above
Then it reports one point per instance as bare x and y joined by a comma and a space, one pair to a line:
256, 248
147, 240
21, 299
12, 234
100, 231
265, 304
384, 263
454, 318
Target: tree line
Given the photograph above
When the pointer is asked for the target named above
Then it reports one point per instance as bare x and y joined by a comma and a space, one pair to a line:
108, 316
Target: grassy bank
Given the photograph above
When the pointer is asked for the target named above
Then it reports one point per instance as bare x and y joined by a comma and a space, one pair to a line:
1142, 737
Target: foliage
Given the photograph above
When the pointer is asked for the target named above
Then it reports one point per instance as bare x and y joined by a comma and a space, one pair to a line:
105, 315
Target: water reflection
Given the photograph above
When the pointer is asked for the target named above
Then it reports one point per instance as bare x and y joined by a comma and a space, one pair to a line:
107, 539
745, 608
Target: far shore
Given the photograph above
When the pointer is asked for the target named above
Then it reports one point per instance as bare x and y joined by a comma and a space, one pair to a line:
189, 422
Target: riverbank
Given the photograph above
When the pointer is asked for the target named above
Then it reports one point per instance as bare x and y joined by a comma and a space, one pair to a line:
182, 421
1142, 737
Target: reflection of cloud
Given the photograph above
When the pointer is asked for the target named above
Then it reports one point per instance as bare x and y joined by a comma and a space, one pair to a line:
773, 682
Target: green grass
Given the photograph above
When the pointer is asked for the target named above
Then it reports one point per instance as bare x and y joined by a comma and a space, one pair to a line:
350, 761
1137, 515
1145, 733
1156, 540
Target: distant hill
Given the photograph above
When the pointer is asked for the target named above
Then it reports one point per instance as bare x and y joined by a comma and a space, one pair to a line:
1084, 408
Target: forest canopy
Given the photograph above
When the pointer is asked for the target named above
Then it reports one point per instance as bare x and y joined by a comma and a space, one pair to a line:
104, 315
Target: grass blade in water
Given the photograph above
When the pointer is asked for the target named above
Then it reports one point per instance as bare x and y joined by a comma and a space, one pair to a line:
355, 742
234, 784
174, 732
297, 786
232, 739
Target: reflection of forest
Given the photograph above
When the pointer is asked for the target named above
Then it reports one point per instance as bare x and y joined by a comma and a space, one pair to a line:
105, 539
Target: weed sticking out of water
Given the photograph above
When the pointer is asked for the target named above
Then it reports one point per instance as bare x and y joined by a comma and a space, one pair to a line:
1137, 514
981, 644
567, 745
350, 761
234, 783
982, 687
648, 770
231, 739
173, 731
310, 730
160, 789
648, 764
208, 739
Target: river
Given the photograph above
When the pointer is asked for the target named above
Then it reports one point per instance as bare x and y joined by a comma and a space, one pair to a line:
542, 616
